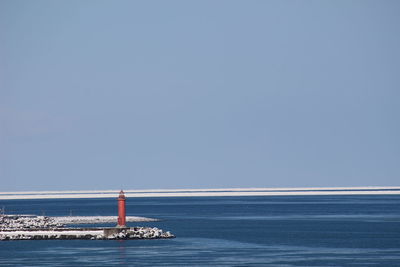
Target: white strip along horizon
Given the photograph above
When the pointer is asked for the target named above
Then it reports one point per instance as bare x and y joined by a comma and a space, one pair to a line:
371, 190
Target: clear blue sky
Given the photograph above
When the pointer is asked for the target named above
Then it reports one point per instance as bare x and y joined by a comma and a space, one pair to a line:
199, 94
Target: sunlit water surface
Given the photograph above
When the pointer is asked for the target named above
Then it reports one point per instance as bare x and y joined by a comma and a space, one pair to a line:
225, 231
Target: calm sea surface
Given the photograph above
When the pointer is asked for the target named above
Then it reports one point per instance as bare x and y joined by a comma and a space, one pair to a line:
225, 231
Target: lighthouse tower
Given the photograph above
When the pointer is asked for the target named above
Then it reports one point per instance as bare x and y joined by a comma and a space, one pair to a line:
121, 210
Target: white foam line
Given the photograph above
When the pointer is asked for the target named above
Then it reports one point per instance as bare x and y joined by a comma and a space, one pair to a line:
41, 195
97, 219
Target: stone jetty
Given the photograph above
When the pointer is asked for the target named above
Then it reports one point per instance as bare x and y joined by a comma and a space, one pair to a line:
30, 227
85, 233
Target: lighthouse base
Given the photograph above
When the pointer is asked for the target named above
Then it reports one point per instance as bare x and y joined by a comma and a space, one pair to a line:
114, 231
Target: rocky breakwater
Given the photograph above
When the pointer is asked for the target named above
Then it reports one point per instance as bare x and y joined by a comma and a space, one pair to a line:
136, 233
15, 222
86, 233
22, 227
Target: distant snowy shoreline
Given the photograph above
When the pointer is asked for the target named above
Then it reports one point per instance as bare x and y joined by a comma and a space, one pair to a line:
376, 190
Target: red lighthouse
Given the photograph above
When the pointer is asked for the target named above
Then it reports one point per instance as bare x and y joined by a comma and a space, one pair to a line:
121, 210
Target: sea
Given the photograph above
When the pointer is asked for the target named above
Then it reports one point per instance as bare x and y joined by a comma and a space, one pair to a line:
346, 230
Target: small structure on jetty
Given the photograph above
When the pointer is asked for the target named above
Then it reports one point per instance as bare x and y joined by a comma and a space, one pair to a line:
23, 227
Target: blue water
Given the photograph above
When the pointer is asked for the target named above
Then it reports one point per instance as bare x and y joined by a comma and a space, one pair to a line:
225, 231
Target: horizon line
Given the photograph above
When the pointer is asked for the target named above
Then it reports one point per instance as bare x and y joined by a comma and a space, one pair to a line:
251, 191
